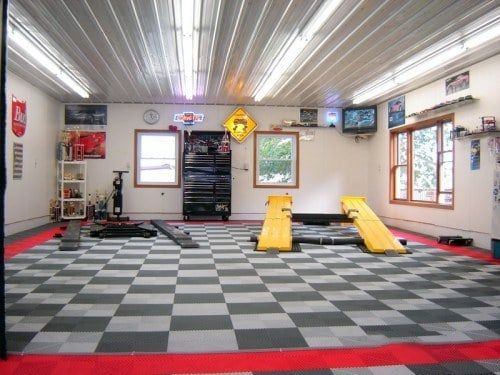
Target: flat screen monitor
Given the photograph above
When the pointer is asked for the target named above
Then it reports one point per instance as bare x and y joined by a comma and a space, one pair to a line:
359, 120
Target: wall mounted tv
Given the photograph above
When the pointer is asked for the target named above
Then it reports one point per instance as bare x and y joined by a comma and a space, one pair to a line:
359, 120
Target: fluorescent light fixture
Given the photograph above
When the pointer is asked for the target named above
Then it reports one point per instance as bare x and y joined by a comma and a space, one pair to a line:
482, 37
26, 43
431, 59
41, 58
295, 45
279, 68
72, 84
374, 92
187, 26
320, 17
430, 64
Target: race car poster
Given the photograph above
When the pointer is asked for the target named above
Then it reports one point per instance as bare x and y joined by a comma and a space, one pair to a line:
94, 143
457, 83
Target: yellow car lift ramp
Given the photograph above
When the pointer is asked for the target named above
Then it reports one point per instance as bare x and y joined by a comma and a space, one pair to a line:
276, 234
378, 239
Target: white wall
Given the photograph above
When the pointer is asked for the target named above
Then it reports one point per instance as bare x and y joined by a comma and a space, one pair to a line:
330, 166
472, 215
27, 200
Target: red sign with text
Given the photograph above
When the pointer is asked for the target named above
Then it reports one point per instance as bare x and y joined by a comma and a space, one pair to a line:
19, 116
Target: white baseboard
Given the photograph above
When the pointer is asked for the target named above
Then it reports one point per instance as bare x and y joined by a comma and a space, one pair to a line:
20, 226
481, 240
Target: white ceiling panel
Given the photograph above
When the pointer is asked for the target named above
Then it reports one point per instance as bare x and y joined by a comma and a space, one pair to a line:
127, 50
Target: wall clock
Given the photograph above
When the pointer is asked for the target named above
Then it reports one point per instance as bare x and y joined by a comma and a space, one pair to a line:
151, 116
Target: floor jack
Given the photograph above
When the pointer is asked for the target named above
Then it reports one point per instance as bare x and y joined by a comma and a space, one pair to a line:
117, 197
118, 226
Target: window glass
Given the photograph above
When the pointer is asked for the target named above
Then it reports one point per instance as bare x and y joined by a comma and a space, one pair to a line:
276, 159
447, 140
401, 182
424, 164
157, 158
446, 177
402, 148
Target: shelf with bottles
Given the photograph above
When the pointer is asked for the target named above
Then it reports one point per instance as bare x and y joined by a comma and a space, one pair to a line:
480, 134
486, 129
71, 188
73, 209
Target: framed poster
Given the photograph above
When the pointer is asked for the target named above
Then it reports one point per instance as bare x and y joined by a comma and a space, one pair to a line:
19, 116
309, 116
457, 83
396, 108
94, 143
85, 114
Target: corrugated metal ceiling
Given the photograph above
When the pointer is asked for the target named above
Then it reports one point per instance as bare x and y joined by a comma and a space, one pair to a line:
126, 50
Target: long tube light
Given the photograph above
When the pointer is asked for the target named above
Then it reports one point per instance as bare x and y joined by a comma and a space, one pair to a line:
429, 60
187, 44
295, 46
187, 14
45, 60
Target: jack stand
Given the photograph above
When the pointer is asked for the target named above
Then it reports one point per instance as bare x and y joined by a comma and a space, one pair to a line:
118, 198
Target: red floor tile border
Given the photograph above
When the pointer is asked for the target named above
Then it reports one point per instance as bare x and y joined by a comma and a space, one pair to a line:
17, 247
289, 360
459, 250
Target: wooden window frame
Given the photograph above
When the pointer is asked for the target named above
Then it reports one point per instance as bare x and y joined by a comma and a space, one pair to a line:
137, 133
295, 162
393, 153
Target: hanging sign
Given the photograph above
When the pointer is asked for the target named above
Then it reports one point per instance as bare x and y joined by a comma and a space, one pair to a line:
19, 116
240, 124
189, 118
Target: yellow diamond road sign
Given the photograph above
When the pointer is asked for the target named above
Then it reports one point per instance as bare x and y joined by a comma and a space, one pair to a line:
240, 124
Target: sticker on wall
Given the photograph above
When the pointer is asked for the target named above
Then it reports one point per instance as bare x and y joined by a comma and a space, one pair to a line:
19, 116
457, 83
306, 135
240, 124
309, 116
396, 108
17, 168
188, 118
332, 118
86, 114
475, 154
94, 143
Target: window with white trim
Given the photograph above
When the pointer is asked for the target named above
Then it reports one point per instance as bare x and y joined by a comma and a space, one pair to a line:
157, 158
276, 157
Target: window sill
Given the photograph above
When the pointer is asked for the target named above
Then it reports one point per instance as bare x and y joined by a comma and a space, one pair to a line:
276, 186
142, 185
422, 204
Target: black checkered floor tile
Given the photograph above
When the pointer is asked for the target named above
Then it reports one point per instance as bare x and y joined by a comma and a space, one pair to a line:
149, 295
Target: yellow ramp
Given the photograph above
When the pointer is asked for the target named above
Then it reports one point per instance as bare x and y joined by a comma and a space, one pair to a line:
378, 239
276, 231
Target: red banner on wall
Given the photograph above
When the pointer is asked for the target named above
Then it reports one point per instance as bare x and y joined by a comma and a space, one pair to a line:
19, 116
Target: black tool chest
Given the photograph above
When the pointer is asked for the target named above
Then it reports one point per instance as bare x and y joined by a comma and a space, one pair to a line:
206, 175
